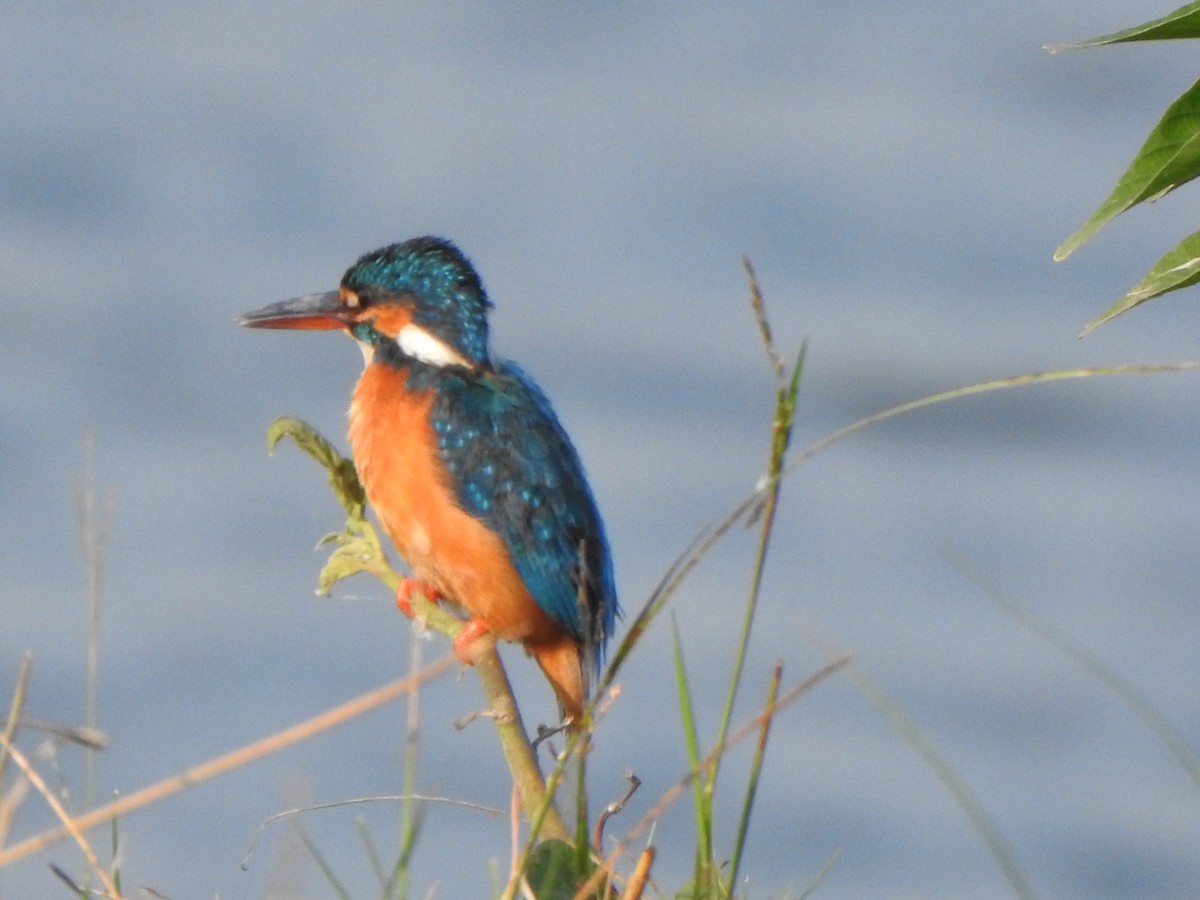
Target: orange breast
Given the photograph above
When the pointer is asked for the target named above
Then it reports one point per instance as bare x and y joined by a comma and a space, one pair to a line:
395, 451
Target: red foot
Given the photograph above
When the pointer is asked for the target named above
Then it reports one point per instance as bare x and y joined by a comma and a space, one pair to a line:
410, 586
472, 631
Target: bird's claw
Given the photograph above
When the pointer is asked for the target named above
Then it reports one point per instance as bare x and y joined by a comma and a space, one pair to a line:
472, 631
410, 586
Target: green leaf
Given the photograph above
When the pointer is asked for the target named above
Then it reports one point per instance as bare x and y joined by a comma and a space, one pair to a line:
1180, 268
358, 547
551, 871
1170, 157
702, 797
343, 477
1182, 23
358, 550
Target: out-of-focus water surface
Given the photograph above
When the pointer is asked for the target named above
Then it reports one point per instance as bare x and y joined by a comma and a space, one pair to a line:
900, 177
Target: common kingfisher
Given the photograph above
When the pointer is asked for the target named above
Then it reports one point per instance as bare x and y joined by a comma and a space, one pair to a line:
465, 463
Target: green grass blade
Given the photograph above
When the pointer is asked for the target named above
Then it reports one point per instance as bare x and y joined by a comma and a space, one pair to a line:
1179, 268
785, 416
1181, 24
1169, 157
690, 558
760, 752
583, 847
683, 566
816, 881
963, 796
1065, 643
676, 790
335, 883
983, 387
373, 857
701, 799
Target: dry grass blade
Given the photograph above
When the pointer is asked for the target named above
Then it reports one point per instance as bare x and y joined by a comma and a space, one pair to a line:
95, 529
14, 713
237, 758
90, 738
69, 826
607, 868
984, 387
759, 307
359, 801
635, 886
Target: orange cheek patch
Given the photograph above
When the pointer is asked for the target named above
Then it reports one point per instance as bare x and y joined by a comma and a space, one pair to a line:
389, 319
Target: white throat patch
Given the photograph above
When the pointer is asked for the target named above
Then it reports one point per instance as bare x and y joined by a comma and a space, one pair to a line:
418, 343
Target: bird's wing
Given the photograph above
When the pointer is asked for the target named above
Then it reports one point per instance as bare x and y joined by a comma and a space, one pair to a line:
513, 467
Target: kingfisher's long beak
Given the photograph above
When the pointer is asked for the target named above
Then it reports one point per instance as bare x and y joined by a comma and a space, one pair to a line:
312, 311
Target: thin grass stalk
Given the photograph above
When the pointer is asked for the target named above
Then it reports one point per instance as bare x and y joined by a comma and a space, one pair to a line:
683, 566
671, 794
114, 850
817, 880
314, 851
759, 307
781, 434
760, 752
710, 536
785, 414
94, 524
359, 801
582, 824
1125, 691
70, 826
691, 740
14, 714
373, 857
983, 387
941, 767
11, 799
398, 882
228, 762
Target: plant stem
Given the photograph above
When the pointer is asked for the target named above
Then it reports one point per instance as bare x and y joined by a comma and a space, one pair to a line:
760, 750
785, 411
518, 752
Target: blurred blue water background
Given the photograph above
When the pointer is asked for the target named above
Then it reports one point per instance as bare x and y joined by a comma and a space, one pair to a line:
900, 175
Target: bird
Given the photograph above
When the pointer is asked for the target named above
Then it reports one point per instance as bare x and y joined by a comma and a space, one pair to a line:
466, 465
